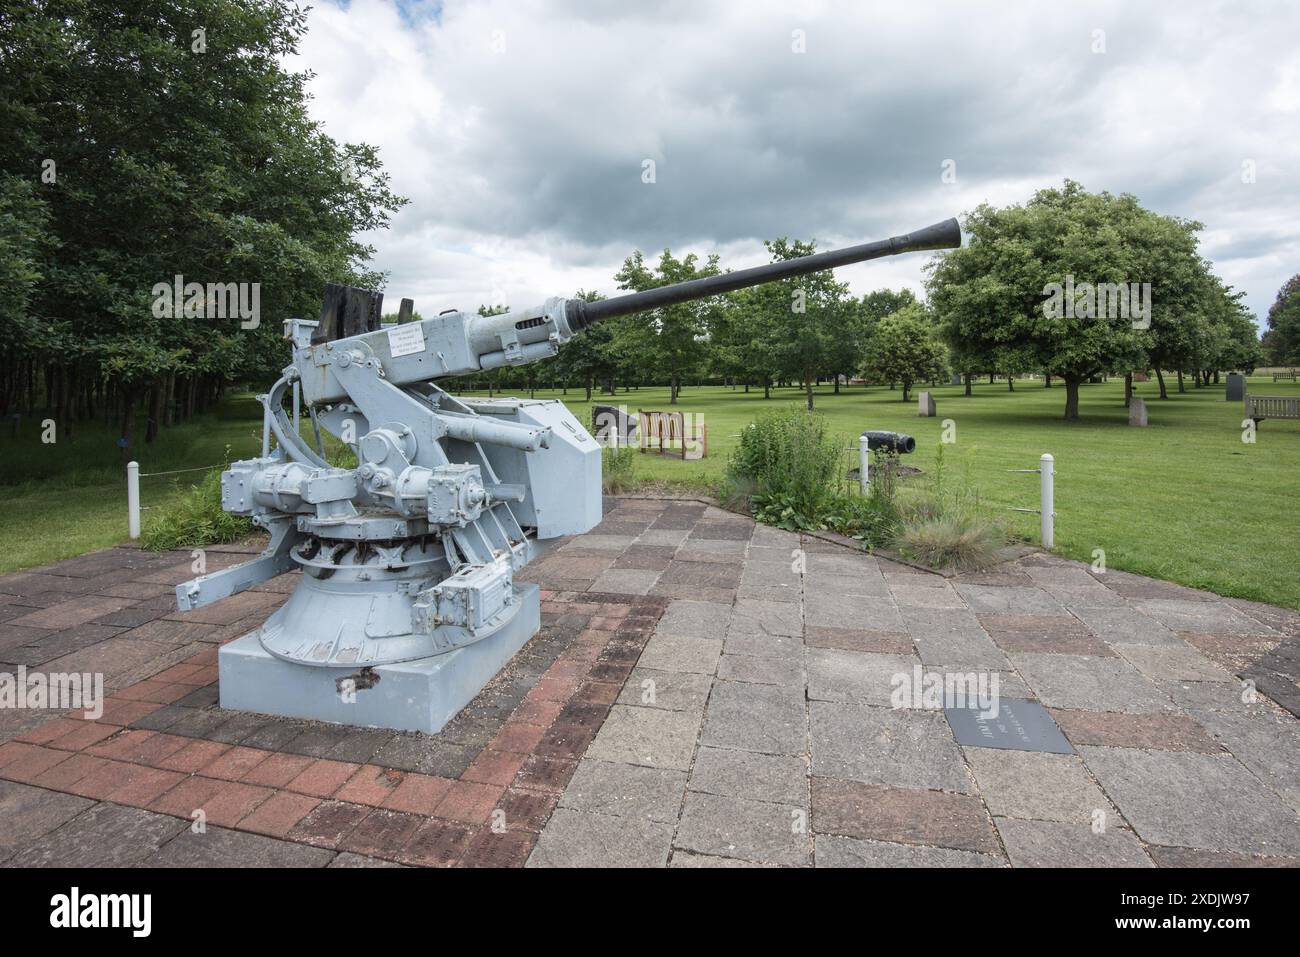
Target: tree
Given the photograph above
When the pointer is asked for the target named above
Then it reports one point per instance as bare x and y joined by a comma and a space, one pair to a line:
167, 139
800, 317
1042, 281
905, 348
674, 332
1283, 335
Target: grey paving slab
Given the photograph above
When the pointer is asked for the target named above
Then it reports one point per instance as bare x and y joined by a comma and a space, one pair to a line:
835, 851
971, 650
1215, 617
764, 646
750, 830
835, 675
695, 619
1127, 625
221, 847
750, 717
1188, 799
663, 536
649, 736
753, 616
788, 672
625, 581
579, 839
668, 652
27, 814
1090, 684
1265, 742
869, 584
1035, 785
1207, 695
349, 860
778, 778
1053, 844
105, 835
690, 859
626, 790
1013, 600
852, 611
926, 596
1172, 662
904, 749
1083, 597
670, 690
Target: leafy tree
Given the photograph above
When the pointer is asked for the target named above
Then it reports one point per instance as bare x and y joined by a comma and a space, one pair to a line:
1283, 335
673, 332
906, 349
166, 139
995, 294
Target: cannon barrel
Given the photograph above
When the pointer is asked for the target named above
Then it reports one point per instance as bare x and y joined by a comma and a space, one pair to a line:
890, 441
580, 315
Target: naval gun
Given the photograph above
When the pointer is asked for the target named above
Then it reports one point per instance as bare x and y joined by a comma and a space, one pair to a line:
408, 602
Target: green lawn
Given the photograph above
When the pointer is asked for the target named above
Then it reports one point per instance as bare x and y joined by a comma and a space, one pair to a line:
1184, 500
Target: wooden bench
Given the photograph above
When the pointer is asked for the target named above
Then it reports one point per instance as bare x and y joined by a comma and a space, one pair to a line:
674, 434
1261, 407
1284, 375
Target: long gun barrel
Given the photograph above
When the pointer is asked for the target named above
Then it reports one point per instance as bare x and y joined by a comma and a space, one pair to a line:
457, 343
580, 315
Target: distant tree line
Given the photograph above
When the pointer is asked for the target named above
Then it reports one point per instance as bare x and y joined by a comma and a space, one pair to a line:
1134, 295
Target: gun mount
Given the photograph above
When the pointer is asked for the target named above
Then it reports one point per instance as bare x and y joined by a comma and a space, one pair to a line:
408, 602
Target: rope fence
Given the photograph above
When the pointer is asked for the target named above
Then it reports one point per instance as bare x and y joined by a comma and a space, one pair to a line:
133, 506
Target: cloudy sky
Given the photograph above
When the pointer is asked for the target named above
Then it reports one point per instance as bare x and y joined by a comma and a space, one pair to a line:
520, 129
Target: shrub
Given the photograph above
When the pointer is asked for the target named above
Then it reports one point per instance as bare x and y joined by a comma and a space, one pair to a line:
616, 467
793, 465
194, 520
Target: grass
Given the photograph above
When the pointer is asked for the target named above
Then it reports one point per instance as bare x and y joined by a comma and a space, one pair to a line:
1183, 500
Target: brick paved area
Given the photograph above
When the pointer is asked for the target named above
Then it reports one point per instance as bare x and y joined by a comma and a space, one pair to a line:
697, 697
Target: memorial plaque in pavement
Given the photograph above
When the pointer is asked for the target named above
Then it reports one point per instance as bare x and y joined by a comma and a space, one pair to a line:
1019, 725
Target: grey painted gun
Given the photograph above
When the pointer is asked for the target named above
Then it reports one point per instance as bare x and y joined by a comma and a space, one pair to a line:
411, 554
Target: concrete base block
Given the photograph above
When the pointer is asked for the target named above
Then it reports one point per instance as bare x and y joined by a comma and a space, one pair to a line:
420, 695
925, 406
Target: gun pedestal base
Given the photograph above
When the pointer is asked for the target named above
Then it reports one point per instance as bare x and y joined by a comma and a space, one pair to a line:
421, 695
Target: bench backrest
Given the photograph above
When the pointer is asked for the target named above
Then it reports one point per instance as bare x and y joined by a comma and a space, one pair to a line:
1273, 406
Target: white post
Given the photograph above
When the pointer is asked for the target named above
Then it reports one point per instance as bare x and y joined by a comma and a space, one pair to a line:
133, 499
864, 464
1046, 468
297, 405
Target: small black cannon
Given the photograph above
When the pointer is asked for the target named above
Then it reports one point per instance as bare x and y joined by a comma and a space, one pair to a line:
889, 442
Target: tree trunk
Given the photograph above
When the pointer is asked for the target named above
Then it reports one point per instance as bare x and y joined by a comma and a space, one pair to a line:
1011, 383
1160, 377
675, 387
837, 383
808, 389
1047, 380
1181, 386
907, 387
991, 378
128, 420
155, 413
1128, 389
767, 388
969, 379
1071, 397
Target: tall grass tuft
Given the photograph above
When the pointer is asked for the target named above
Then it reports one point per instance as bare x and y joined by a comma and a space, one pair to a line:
194, 520
616, 466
